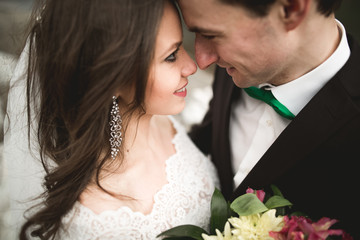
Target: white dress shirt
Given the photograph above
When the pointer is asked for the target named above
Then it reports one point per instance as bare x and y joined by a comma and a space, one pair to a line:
254, 125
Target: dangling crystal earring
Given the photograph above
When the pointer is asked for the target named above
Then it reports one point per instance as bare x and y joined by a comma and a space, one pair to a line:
115, 129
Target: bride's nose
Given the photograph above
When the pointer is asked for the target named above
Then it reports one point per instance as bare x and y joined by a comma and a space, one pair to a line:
189, 67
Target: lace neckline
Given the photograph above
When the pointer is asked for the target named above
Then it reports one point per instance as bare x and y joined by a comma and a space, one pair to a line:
163, 189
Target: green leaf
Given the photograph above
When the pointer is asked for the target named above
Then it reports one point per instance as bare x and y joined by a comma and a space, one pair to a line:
184, 232
276, 190
219, 212
248, 204
276, 202
280, 211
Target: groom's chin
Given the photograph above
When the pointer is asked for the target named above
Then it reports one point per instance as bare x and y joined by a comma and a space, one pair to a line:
239, 82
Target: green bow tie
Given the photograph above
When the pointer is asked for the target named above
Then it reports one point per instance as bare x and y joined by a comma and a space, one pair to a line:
268, 97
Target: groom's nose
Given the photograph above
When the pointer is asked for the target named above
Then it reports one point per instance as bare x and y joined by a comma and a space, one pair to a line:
205, 53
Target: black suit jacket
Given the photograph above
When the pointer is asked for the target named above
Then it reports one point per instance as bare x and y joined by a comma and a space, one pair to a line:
315, 159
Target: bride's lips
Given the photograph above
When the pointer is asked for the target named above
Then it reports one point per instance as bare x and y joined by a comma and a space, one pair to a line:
181, 92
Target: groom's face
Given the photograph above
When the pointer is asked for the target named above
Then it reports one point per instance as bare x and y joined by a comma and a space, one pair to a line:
248, 46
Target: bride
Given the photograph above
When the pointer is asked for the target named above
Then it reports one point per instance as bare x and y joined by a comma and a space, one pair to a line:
103, 78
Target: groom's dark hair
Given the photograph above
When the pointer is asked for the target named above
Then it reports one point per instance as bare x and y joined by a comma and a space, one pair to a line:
261, 7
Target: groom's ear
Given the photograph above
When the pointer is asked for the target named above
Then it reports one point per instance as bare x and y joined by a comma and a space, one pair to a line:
294, 12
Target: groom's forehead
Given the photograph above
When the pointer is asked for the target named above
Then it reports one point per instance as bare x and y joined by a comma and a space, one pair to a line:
210, 10
203, 9
207, 16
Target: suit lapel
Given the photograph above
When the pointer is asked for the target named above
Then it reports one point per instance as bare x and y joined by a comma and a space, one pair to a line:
226, 92
331, 107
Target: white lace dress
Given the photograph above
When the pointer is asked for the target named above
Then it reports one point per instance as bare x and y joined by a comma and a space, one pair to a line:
185, 199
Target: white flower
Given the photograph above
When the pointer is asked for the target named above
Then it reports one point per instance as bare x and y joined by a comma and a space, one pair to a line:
257, 226
253, 227
219, 236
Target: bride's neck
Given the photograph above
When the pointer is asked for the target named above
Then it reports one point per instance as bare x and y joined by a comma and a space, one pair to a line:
139, 132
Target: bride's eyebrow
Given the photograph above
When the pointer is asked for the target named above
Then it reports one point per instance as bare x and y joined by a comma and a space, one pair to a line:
173, 46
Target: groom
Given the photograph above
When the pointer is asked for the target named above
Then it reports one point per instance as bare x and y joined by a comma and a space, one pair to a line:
304, 137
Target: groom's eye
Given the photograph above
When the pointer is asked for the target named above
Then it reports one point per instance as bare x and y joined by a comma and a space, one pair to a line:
209, 37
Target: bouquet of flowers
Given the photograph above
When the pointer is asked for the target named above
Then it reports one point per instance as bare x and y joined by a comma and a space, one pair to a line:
248, 217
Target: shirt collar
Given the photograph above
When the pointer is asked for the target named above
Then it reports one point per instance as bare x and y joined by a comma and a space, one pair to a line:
297, 93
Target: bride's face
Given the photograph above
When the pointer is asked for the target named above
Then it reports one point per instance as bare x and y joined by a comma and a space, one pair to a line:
166, 88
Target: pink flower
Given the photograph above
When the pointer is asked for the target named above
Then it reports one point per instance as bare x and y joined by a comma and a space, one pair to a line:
250, 190
290, 231
259, 193
299, 228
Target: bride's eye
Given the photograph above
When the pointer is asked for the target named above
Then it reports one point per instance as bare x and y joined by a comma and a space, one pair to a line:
172, 56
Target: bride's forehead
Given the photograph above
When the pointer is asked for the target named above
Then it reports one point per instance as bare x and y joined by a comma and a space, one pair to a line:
170, 29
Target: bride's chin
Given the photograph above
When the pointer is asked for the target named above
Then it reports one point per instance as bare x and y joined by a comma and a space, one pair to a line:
174, 110
179, 109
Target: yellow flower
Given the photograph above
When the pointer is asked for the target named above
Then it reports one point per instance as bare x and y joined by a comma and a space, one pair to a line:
219, 236
256, 226
253, 227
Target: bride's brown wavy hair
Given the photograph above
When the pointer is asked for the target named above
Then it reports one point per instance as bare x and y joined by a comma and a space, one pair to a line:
80, 54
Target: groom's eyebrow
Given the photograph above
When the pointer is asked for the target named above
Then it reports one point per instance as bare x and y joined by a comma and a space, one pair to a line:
202, 30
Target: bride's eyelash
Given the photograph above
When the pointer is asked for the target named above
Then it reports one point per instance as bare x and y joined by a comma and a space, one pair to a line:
172, 56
